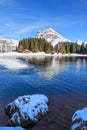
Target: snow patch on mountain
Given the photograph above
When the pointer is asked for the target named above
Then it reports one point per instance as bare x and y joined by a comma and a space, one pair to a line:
80, 42
13, 41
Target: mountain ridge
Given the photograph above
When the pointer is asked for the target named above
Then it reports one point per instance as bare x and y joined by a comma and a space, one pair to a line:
7, 45
51, 36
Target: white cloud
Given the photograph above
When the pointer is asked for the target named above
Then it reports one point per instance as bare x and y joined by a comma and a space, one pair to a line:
18, 30
7, 25
30, 27
27, 29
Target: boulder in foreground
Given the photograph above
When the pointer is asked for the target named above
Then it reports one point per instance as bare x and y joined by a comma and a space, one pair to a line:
27, 110
79, 120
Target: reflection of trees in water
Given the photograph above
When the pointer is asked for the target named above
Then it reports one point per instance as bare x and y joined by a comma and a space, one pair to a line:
51, 66
39, 61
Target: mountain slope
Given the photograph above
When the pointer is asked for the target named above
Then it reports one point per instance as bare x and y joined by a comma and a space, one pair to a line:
7, 45
13, 41
51, 36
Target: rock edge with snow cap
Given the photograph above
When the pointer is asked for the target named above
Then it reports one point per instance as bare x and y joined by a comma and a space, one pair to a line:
79, 120
27, 110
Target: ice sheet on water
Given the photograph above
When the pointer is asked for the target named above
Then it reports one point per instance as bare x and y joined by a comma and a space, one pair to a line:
15, 66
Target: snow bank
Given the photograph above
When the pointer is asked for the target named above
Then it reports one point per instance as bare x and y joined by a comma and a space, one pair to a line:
79, 120
16, 54
11, 128
27, 110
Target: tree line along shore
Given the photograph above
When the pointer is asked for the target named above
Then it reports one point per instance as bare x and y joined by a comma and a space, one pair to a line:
41, 45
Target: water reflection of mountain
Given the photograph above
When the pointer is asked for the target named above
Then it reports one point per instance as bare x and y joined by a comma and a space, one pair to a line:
51, 66
56, 66
48, 66
39, 61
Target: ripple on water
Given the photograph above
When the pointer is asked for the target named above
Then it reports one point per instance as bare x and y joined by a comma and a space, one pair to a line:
63, 80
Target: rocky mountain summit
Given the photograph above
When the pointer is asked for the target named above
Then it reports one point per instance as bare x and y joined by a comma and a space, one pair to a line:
51, 36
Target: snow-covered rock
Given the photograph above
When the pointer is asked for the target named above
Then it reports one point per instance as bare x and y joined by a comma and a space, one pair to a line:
27, 110
51, 36
11, 128
79, 120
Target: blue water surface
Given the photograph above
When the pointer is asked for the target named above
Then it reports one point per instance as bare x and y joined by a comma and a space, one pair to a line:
63, 80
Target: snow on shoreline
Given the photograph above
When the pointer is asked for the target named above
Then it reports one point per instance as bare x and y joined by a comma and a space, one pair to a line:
17, 54
10, 61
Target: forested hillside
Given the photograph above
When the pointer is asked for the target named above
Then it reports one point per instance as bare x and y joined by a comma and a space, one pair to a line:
72, 48
41, 45
35, 45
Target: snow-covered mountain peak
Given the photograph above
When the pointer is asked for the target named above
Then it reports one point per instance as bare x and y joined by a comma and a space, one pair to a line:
51, 36
50, 29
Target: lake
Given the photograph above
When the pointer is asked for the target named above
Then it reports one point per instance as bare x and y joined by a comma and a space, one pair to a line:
62, 79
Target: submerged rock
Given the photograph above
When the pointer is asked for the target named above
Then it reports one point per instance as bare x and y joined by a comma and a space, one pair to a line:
79, 120
27, 110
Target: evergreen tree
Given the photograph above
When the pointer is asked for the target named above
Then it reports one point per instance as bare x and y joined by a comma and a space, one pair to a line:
78, 48
35, 45
82, 48
73, 48
62, 48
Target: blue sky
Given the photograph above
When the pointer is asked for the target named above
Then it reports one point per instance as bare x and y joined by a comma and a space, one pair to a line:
23, 18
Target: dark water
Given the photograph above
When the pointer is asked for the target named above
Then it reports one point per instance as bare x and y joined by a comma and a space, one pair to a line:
63, 80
